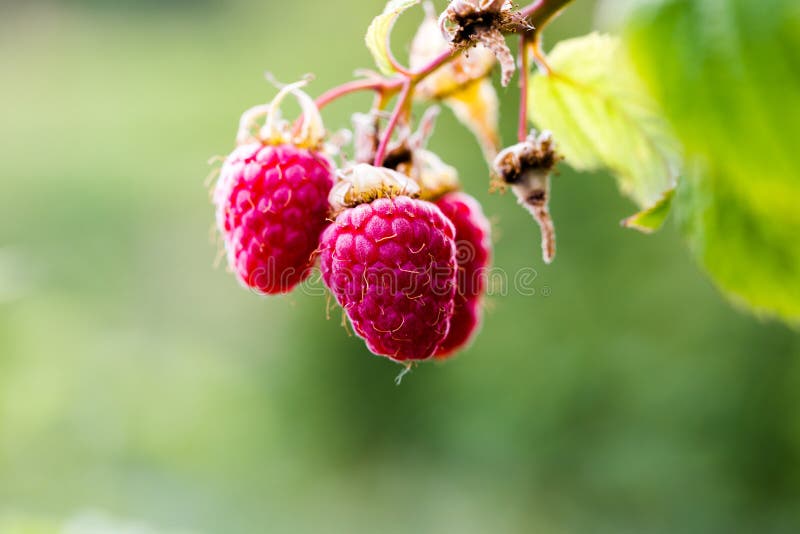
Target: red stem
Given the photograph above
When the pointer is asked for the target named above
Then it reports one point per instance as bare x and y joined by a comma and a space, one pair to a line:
435, 63
396, 64
374, 84
384, 85
522, 129
399, 106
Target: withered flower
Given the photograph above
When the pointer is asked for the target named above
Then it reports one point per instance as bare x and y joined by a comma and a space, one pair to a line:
526, 168
467, 23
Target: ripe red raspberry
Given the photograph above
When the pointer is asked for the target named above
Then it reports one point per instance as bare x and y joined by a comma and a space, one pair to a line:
473, 252
272, 197
438, 183
390, 262
272, 203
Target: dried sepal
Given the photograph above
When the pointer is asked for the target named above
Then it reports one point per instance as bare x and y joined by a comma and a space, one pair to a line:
409, 157
362, 183
477, 107
526, 168
427, 123
428, 44
276, 130
335, 142
467, 23
435, 177
365, 136
366, 139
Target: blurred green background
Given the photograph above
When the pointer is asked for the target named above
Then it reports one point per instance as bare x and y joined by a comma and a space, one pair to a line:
137, 381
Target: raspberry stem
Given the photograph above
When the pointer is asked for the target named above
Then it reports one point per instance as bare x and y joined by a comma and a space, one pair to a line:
444, 57
379, 85
400, 106
386, 87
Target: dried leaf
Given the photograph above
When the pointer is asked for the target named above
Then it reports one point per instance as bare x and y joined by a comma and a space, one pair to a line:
476, 106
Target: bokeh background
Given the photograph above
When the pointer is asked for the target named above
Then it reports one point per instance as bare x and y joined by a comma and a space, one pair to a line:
142, 385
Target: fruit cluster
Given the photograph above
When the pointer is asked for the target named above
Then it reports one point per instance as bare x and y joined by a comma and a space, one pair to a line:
402, 249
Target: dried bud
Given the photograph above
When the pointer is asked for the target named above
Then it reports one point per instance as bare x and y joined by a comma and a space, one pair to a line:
428, 44
409, 157
526, 167
467, 23
435, 177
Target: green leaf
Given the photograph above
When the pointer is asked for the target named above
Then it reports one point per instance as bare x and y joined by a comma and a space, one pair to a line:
602, 117
727, 74
377, 37
652, 218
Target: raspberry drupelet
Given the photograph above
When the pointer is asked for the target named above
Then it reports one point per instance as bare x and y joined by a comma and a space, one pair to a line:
272, 198
439, 184
390, 261
473, 254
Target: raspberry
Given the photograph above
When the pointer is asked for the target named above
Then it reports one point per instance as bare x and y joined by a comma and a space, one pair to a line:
438, 183
473, 252
272, 203
272, 196
390, 262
